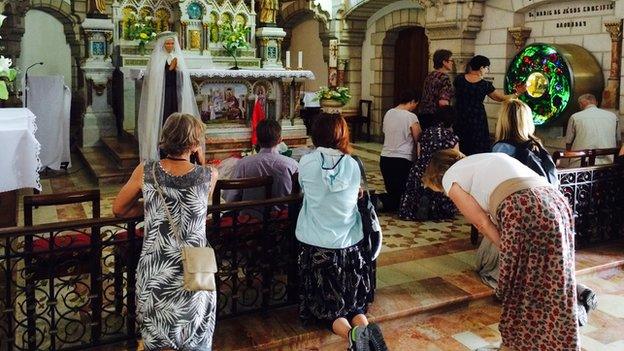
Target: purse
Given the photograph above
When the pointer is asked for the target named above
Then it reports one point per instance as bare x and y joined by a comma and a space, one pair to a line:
370, 222
199, 264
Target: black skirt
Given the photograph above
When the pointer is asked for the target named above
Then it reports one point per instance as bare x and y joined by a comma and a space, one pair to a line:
333, 283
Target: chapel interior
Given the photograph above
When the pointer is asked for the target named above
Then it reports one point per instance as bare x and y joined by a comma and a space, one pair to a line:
78, 89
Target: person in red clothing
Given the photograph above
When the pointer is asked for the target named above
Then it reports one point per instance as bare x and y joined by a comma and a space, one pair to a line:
258, 114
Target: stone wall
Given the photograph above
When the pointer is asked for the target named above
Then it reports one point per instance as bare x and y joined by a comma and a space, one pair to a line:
560, 22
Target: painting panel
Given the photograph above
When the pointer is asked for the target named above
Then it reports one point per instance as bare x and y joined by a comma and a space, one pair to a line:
223, 101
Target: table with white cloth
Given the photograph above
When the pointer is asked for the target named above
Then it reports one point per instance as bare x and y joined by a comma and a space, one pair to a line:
20, 163
50, 100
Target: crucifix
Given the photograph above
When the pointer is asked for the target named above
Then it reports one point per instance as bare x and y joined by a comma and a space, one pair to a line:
333, 53
332, 74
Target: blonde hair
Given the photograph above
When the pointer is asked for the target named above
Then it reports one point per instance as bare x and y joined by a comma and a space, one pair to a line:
440, 162
181, 133
515, 122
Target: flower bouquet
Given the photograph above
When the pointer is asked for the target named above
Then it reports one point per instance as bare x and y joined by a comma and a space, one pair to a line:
233, 37
141, 29
336, 97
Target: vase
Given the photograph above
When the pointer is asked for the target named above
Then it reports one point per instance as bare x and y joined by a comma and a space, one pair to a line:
331, 103
331, 106
141, 48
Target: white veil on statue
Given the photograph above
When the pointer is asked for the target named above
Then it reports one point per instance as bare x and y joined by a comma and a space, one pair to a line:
153, 95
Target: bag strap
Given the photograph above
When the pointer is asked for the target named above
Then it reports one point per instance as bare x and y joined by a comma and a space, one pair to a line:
176, 231
363, 173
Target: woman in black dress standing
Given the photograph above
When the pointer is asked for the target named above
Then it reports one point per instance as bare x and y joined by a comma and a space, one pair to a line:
470, 90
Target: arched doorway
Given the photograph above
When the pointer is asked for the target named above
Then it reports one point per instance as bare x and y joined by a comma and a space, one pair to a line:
44, 41
411, 54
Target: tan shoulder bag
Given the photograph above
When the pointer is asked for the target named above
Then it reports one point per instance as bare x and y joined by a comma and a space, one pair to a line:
199, 263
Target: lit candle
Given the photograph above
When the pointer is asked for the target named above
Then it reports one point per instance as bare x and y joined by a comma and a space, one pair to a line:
287, 59
300, 61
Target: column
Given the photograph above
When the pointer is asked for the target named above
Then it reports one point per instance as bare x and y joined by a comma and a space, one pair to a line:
610, 96
519, 35
99, 120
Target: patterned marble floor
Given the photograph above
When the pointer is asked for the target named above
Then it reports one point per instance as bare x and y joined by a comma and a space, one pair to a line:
423, 266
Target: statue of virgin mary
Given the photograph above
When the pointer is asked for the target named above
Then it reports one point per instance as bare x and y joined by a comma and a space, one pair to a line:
166, 89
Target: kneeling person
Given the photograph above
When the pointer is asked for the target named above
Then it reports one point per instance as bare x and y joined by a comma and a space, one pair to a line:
267, 162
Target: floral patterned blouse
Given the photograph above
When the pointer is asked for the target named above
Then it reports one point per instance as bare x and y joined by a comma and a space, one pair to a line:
438, 87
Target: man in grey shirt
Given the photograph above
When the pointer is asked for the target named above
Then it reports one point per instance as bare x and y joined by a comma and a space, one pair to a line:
267, 162
592, 128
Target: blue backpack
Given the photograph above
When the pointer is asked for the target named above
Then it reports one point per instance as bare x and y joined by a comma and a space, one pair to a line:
534, 156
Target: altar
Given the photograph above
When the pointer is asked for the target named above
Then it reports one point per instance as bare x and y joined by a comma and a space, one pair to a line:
225, 97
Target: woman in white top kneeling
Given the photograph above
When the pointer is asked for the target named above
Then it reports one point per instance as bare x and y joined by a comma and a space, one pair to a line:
401, 132
534, 231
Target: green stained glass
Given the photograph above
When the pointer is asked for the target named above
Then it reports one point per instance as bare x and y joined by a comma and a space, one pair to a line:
548, 79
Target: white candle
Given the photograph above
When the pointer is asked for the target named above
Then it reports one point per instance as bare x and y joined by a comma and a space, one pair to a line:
287, 59
300, 61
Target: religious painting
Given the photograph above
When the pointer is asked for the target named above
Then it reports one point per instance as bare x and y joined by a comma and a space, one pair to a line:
214, 28
195, 40
195, 11
223, 102
332, 77
162, 20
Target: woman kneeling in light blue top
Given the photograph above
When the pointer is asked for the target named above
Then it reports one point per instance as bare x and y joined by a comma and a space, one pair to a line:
335, 280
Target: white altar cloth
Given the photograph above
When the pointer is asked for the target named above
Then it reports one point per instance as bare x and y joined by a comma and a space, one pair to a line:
251, 73
20, 163
50, 100
137, 73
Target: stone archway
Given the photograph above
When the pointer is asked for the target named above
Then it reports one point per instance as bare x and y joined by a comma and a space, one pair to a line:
383, 38
71, 17
300, 11
62, 11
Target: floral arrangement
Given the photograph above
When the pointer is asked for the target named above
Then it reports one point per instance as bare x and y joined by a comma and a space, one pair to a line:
341, 94
142, 29
233, 37
7, 74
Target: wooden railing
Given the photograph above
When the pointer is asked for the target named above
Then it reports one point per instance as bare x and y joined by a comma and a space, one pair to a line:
66, 295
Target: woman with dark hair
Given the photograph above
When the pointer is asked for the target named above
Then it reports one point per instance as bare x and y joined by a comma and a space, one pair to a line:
401, 132
532, 224
418, 202
438, 90
334, 278
470, 91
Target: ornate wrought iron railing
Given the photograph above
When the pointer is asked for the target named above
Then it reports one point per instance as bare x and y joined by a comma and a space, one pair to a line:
596, 194
70, 285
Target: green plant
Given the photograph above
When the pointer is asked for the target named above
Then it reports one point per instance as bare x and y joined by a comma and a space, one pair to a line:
142, 29
341, 94
233, 38
7, 74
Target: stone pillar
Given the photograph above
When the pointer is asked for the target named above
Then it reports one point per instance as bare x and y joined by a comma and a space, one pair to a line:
519, 35
610, 96
270, 39
342, 68
99, 119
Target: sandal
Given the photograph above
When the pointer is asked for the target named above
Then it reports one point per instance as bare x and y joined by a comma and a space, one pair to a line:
587, 297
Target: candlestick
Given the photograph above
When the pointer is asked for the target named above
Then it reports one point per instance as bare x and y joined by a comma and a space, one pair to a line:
300, 60
287, 59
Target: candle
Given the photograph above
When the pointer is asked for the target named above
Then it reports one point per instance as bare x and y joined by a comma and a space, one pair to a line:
300, 61
287, 59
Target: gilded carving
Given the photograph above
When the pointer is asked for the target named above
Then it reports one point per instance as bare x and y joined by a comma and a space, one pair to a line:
519, 35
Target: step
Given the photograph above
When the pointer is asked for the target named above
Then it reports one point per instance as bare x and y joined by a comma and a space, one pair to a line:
102, 166
370, 147
394, 305
123, 150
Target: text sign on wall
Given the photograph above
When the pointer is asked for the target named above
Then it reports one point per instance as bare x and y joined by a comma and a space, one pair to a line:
570, 9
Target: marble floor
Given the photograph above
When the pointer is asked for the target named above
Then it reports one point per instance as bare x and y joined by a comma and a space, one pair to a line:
428, 297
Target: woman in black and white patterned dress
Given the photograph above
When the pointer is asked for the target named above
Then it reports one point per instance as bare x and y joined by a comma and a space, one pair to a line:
169, 316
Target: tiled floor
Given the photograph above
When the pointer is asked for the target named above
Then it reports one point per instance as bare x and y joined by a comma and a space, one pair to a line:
423, 266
